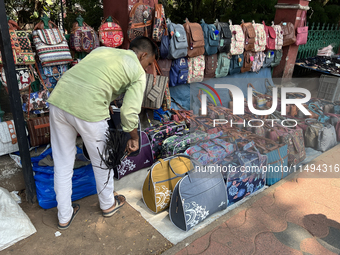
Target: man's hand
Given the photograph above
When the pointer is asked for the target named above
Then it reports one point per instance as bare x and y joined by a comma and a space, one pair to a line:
132, 145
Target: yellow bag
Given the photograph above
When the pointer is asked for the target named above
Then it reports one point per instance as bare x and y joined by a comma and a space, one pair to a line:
162, 179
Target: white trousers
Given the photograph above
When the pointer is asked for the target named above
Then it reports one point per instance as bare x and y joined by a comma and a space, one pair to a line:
64, 129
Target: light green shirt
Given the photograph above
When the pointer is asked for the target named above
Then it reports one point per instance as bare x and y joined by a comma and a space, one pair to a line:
88, 88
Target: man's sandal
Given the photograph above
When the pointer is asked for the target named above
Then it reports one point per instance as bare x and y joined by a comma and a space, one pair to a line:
72, 218
120, 201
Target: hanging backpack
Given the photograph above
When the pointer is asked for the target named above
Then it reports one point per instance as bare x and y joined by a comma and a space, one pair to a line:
248, 61
237, 39
258, 61
179, 72
288, 30
210, 66
140, 21
277, 58
269, 58
279, 37
196, 69
83, 38
223, 65
236, 63
159, 24
110, 33
225, 36
249, 36
260, 38
195, 39
211, 38
164, 45
270, 35
178, 41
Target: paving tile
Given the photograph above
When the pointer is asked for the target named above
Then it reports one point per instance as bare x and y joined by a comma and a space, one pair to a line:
237, 244
264, 201
182, 252
199, 245
333, 238
266, 243
295, 216
272, 222
289, 185
332, 223
328, 246
316, 224
216, 248
335, 182
292, 235
237, 220
311, 245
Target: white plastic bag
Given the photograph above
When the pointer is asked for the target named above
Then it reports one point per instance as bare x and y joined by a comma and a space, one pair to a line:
15, 224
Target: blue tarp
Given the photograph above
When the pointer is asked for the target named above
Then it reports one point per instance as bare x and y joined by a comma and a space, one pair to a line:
186, 95
83, 181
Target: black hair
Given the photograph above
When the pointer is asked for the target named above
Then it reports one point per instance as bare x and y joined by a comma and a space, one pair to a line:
142, 43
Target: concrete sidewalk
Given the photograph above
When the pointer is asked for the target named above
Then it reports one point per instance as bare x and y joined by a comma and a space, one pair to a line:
298, 215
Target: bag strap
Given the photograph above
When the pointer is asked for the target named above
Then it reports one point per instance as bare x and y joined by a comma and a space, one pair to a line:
113, 20
179, 156
303, 20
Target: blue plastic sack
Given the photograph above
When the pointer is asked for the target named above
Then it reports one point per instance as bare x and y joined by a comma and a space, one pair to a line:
83, 181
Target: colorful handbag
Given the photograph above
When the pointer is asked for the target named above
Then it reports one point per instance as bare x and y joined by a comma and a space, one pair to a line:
159, 24
83, 38
36, 102
24, 77
161, 180
51, 74
302, 31
51, 45
111, 33
196, 69
39, 130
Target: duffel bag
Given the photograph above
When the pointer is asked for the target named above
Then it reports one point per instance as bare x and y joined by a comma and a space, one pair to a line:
161, 180
277, 155
245, 173
158, 133
211, 151
197, 196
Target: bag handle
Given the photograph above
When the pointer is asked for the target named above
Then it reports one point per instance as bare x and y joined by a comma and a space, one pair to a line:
112, 18
14, 25
303, 20
179, 156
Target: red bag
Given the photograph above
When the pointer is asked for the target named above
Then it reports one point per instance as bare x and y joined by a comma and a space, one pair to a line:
110, 33
271, 36
302, 31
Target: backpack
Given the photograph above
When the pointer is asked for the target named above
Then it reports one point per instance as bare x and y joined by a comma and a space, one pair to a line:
159, 24
196, 69
236, 63
179, 72
111, 33
248, 61
211, 38
269, 58
279, 37
140, 21
164, 45
289, 36
260, 38
223, 65
258, 61
225, 36
210, 66
237, 39
271, 36
178, 41
83, 38
249, 36
195, 39
277, 58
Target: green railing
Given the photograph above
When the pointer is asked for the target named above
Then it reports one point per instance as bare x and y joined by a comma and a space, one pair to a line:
320, 36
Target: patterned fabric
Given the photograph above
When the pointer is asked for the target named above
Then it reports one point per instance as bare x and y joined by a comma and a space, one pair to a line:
158, 133
23, 77
7, 138
166, 105
260, 38
51, 74
38, 102
140, 21
159, 23
111, 34
237, 40
51, 47
279, 37
210, 152
296, 146
84, 39
245, 174
196, 69
258, 61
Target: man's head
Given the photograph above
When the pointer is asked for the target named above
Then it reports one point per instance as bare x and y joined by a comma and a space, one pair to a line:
145, 49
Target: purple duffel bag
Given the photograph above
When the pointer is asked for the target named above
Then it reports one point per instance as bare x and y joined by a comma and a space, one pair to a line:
132, 164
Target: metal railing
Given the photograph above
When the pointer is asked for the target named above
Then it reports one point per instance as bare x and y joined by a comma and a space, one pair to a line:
320, 36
